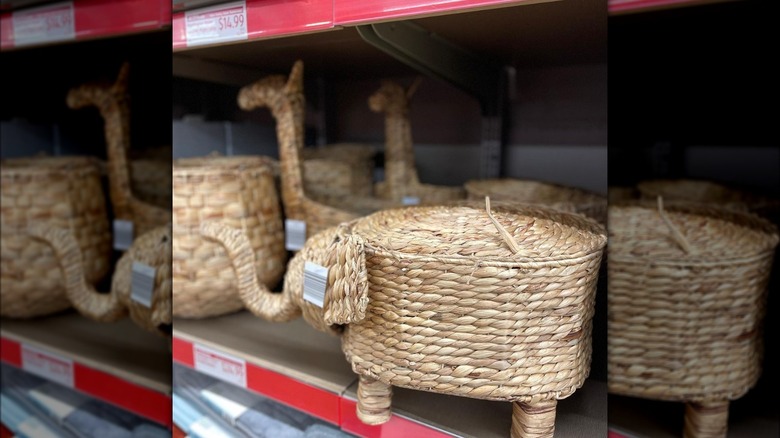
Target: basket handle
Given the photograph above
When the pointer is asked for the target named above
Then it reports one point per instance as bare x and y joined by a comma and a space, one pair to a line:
285, 98
277, 307
346, 296
113, 102
95, 305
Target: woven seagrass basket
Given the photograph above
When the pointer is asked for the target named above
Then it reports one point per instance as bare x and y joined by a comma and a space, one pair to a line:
239, 193
150, 176
341, 169
401, 180
112, 101
444, 299
285, 98
55, 192
152, 249
536, 192
687, 290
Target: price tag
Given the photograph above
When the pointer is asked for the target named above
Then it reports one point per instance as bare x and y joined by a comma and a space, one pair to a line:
315, 280
205, 426
220, 365
215, 24
32, 426
410, 200
44, 24
142, 284
48, 365
294, 234
123, 234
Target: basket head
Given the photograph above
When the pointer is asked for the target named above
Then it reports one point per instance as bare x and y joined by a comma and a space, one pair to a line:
56, 192
452, 309
686, 299
239, 192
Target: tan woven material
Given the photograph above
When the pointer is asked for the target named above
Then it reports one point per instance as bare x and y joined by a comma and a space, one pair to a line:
152, 249
61, 193
687, 290
113, 103
338, 169
284, 97
373, 401
150, 176
237, 192
542, 193
533, 420
708, 420
401, 178
434, 299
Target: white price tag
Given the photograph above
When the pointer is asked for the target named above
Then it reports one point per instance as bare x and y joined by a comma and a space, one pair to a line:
315, 280
215, 24
48, 365
123, 234
410, 200
33, 427
205, 426
142, 284
220, 365
294, 234
44, 24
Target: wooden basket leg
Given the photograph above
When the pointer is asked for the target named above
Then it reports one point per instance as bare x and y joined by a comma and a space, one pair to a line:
533, 420
706, 420
374, 398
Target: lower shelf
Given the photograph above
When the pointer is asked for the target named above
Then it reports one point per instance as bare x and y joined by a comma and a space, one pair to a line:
118, 363
296, 365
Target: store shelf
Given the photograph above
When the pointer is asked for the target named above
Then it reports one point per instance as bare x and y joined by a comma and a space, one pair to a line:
617, 7
79, 20
296, 365
118, 363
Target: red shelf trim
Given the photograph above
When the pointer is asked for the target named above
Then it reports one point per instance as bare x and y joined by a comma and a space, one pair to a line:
140, 400
618, 6
352, 12
102, 18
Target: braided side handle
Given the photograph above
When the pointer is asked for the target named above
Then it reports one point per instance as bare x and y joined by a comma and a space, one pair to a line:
346, 296
84, 297
255, 295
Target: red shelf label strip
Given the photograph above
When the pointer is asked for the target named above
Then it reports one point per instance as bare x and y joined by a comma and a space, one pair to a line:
397, 426
636, 5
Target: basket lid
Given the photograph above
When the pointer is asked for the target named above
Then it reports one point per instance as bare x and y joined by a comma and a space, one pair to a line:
530, 191
41, 166
466, 231
221, 165
708, 233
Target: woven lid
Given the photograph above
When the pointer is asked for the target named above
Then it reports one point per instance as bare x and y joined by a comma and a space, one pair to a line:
541, 234
530, 191
218, 165
43, 166
710, 233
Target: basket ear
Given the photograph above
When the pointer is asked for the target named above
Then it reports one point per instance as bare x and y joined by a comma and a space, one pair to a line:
346, 296
295, 81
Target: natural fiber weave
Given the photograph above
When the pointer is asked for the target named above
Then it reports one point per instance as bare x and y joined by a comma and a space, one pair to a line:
237, 192
152, 249
150, 176
708, 420
687, 289
338, 169
536, 192
57, 193
401, 178
534, 421
113, 103
284, 97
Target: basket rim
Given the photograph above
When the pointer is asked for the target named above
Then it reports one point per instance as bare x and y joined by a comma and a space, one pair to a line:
49, 165
221, 165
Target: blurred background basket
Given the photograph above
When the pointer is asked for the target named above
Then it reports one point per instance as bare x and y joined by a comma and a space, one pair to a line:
687, 293
57, 193
338, 169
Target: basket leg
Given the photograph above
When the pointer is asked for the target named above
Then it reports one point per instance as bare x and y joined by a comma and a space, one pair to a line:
706, 420
533, 420
374, 398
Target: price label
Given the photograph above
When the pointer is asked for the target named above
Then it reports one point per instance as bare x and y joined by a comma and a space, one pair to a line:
142, 284
44, 24
410, 200
294, 234
220, 365
315, 282
123, 234
215, 24
48, 365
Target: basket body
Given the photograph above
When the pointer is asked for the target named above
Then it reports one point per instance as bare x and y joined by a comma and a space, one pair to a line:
338, 169
465, 317
238, 192
62, 192
537, 192
686, 326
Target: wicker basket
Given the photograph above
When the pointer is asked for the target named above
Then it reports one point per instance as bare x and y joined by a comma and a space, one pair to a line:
338, 169
687, 289
401, 180
433, 299
55, 192
284, 97
152, 249
239, 193
150, 176
543, 193
113, 103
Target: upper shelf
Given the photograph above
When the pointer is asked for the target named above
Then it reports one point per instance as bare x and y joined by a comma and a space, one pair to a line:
78, 20
617, 7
